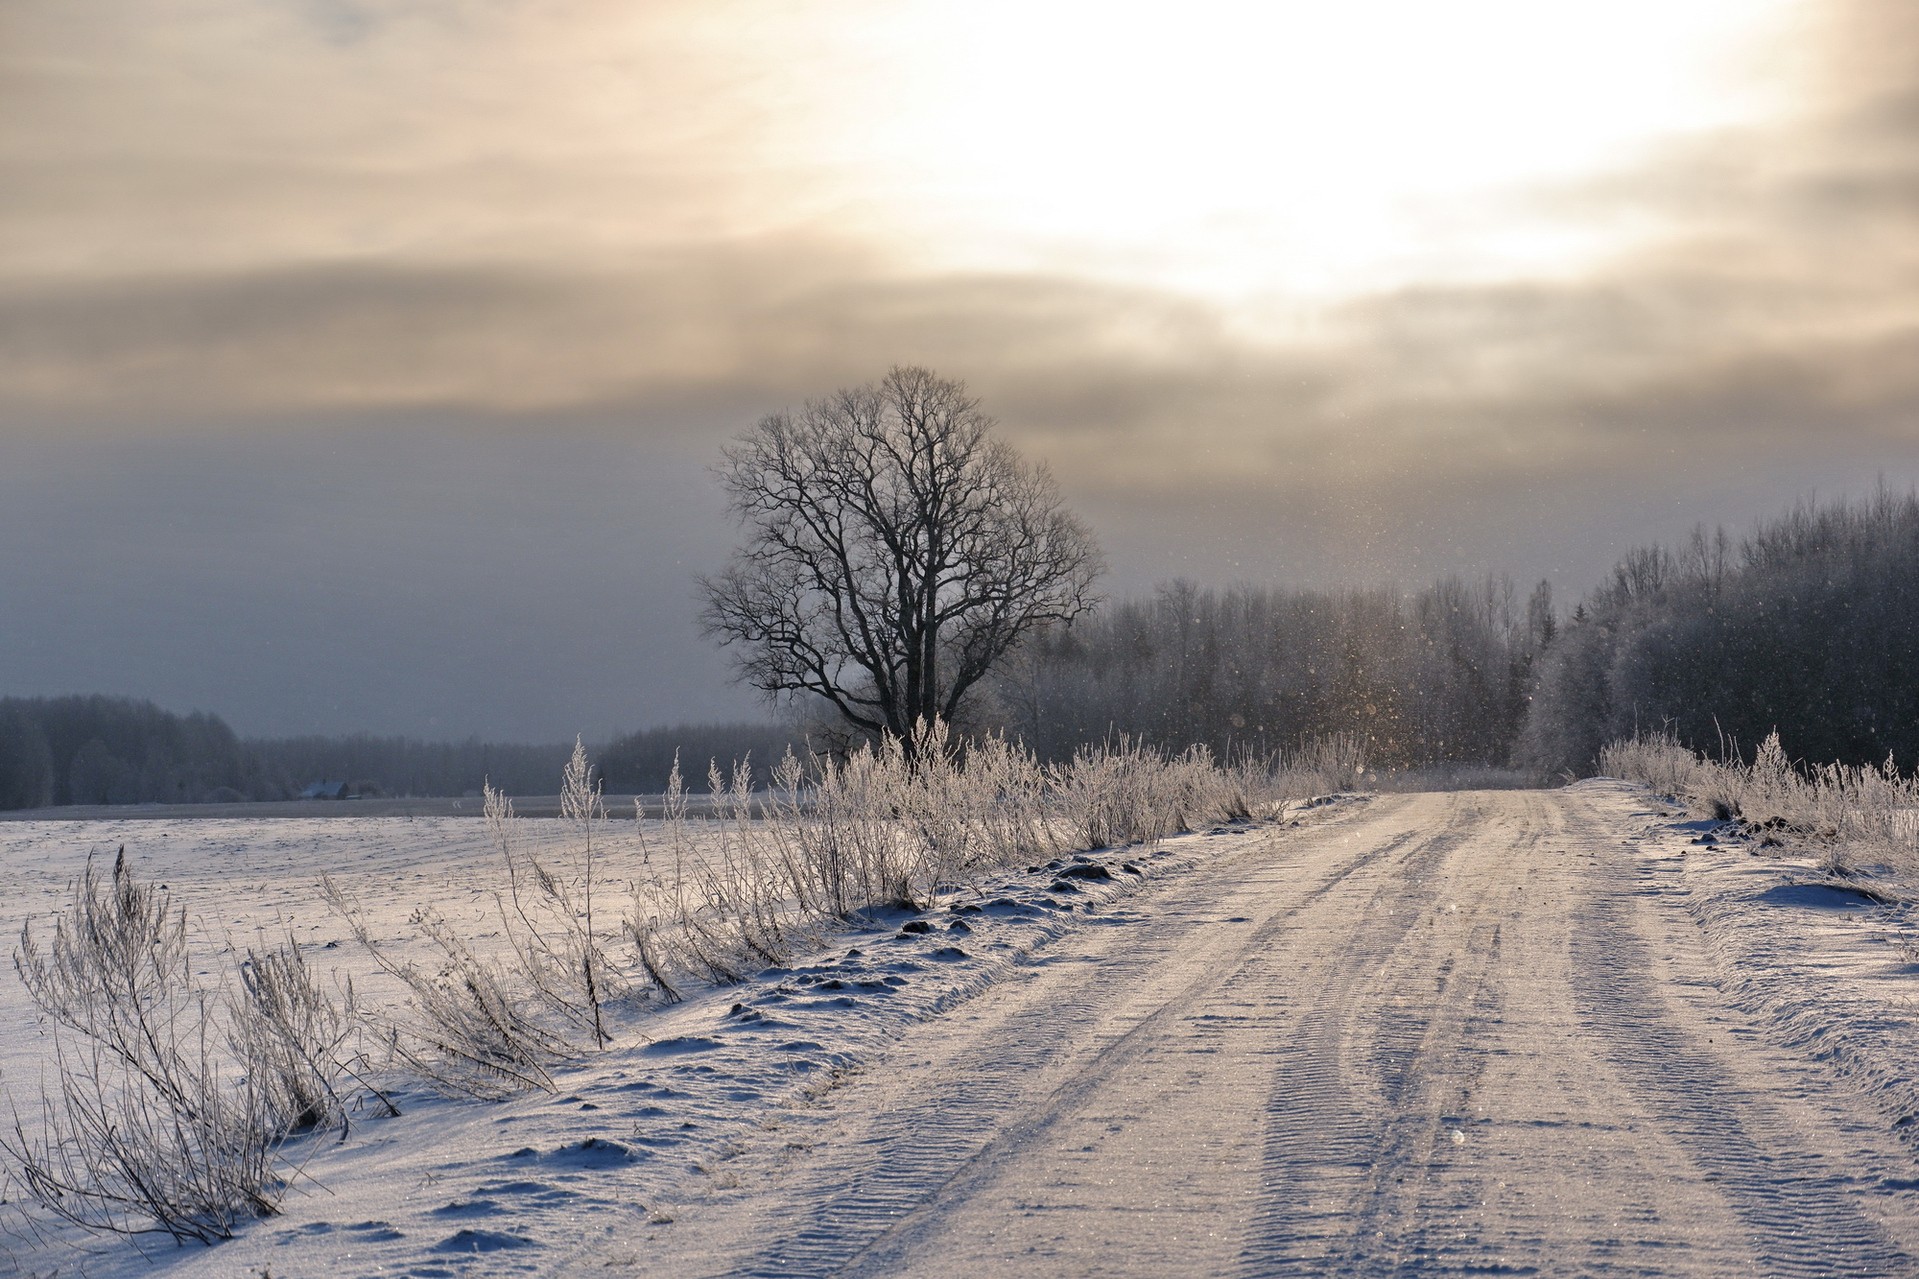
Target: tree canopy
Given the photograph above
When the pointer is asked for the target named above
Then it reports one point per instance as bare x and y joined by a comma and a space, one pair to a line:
895, 550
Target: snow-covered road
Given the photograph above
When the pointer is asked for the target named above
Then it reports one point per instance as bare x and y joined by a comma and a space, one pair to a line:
1470, 1032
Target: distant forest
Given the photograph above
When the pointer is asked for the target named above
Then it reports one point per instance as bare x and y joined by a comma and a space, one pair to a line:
1809, 625
1440, 675
114, 750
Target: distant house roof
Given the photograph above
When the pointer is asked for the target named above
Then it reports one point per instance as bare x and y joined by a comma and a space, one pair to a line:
325, 790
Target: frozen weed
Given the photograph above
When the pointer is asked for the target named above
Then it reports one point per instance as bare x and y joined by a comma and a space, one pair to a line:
302, 1044
1849, 814
146, 1128
483, 1029
831, 839
473, 1031
548, 911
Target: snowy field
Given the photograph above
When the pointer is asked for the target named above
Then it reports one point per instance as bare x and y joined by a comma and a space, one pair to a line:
1568, 1031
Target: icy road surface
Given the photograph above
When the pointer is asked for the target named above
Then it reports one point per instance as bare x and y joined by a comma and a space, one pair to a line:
1444, 1033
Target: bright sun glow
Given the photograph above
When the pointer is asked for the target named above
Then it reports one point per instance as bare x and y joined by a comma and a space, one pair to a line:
1293, 148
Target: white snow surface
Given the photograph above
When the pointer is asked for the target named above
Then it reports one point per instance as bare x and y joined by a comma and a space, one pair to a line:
1505, 1032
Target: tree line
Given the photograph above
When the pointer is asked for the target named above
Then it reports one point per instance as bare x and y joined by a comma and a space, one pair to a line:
111, 750
1438, 675
117, 750
1809, 625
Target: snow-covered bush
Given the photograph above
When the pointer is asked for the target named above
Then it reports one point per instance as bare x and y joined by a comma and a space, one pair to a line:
893, 827
484, 1029
300, 1044
470, 1028
832, 838
1254, 786
1850, 816
772, 869
147, 1126
549, 909
1129, 793
1334, 762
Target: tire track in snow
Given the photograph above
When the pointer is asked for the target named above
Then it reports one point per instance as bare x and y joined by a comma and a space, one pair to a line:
947, 1147
1437, 1049
1338, 1156
1792, 1199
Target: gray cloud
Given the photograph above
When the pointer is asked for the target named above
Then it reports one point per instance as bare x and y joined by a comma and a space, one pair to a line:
364, 579
274, 447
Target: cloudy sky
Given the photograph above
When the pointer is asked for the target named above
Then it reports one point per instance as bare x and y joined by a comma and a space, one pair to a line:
361, 360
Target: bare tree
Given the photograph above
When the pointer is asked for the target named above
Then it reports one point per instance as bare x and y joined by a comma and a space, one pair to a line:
895, 550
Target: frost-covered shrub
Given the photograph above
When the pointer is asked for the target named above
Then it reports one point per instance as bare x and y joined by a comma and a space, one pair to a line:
549, 908
1658, 760
301, 1044
1849, 815
975, 807
469, 1028
1252, 786
147, 1127
486, 1029
770, 870
1129, 793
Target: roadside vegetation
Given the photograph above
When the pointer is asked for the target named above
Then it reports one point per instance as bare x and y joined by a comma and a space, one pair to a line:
1860, 821
184, 1096
174, 1095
